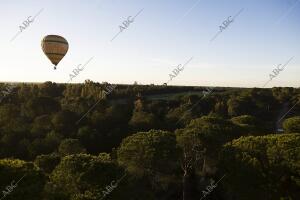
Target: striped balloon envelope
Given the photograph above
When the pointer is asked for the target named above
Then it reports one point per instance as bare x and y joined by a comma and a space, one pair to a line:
55, 47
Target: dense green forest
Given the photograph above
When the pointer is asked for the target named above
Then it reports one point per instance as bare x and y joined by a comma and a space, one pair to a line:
96, 141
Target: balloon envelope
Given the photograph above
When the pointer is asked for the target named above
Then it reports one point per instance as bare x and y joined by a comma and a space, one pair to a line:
55, 47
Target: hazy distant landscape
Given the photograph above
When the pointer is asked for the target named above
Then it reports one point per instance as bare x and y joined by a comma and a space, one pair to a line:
81, 141
150, 100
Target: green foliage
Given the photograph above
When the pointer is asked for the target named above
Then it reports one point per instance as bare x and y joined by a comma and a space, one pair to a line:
147, 152
44, 122
151, 158
178, 115
244, 119
64, 122
214, 132
41, 126
70, 146
283, 94
41, 106
84, 175
193, 150
249, 124
142, 121
88, 138
239, 106
28, 187
292, 125
269, 165
47, 162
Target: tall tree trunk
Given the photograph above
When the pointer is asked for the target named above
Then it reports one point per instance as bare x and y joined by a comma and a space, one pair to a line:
204, 166
186, 186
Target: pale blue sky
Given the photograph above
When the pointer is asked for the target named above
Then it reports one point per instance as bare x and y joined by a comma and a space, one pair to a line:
167, 33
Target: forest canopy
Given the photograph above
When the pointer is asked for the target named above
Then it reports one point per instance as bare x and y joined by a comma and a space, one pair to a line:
153, 142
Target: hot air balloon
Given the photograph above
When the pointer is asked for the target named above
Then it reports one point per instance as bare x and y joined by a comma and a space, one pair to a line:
55, 47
